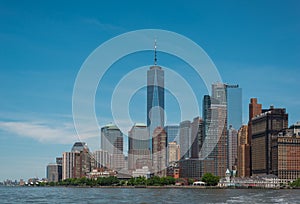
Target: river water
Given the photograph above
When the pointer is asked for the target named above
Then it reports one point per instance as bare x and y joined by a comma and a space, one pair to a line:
144, 195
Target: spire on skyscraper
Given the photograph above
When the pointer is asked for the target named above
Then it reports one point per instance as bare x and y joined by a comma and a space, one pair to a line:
155, 59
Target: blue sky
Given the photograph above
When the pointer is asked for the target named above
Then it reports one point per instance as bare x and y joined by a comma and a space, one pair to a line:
43, 44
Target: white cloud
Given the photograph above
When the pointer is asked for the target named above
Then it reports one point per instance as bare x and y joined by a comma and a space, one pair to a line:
64, 134
101, 25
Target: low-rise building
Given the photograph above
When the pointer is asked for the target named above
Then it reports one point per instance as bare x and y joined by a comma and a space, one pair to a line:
143, 172
285, 154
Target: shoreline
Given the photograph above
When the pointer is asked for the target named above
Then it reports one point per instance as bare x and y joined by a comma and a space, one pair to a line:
163, 187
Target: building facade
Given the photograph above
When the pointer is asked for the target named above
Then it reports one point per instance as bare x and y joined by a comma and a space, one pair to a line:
159, 151
234, 106
243, 166
285, 154
197, 137
54, 172
102, 159
155, 98
139, 147
263, 126
68, 163
190, 168
214, 149
254, 110
112, 142
173, 152
232, 148
185, 140
172, 133
77, 163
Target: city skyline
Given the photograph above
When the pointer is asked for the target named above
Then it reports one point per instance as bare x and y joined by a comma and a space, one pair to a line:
42, 53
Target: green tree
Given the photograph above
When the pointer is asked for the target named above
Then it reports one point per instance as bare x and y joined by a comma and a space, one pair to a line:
210, 179
190, 181
295, 183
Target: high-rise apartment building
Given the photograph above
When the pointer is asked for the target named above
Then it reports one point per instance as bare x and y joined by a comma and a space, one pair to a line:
102, 159
68, 165
77, 163
263, 126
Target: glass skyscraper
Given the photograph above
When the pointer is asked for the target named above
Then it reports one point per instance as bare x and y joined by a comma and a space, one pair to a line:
111, 139
172, 133
234, 106
139, 147
112, 142
155, 98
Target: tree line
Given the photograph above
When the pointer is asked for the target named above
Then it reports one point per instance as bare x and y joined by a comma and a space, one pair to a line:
208, 178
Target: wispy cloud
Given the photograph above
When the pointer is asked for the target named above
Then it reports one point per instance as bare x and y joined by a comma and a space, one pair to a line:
64, 134
102, 25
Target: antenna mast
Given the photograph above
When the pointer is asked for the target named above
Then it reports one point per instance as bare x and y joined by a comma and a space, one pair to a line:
155, 59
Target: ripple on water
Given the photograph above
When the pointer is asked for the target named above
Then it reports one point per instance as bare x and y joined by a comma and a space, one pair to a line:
144, 196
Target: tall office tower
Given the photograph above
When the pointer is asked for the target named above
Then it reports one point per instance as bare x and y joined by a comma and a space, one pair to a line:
112, 142
155, 97
285, 154
138, 150
190, 166
214, 152
172, 133
269, 122
232, 148
254, 110
102, 159
206, 114
54, 172
220, 133
173, 152
219, 121
185, 140
243, 166
234, 106
219, 94
159, 152
196, 137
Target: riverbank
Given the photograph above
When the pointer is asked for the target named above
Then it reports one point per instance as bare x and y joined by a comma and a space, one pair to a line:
165, 187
